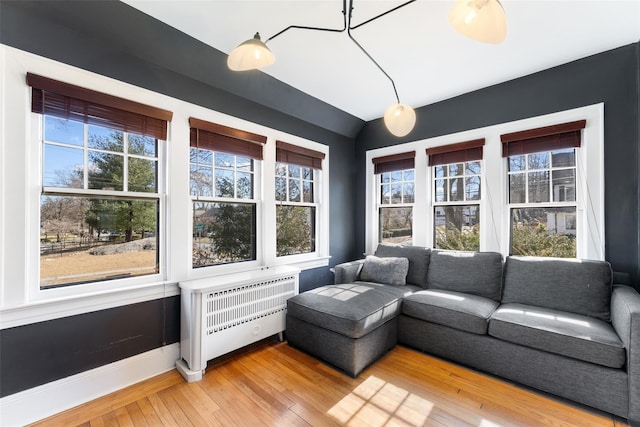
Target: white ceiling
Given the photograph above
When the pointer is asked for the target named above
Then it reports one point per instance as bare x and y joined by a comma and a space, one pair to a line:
415, 45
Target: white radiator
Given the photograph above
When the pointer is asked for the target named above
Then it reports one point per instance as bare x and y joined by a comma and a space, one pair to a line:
224, 313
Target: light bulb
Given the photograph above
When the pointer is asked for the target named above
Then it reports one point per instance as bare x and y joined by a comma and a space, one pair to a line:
400, 119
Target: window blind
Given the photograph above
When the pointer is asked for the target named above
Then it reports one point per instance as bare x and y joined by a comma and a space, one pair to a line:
466, 151
394, 162
294, 154
67, 101
216, 137
548, 138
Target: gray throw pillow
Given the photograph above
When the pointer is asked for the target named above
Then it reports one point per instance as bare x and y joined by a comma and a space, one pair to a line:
388, 270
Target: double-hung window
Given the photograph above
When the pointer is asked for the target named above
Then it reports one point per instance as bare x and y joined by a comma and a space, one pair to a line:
542, 171
395, 178
457, 179
100, 200
297, 175
225, 189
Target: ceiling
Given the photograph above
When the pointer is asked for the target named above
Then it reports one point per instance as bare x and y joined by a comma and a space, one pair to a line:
415, 45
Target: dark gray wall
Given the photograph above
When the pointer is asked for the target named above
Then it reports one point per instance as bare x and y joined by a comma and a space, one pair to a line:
610, 77
115, 40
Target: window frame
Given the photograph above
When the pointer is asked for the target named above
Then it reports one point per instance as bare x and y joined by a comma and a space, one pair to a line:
380, 205
494, 204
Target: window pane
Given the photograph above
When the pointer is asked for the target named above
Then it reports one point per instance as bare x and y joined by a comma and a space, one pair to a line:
294, 190
473, 168
456, 190
281, 189
517, 163
538, 187
223, 233
549, 232
244, 164
307, 191
245, 185
385, 194
538, 160
143, 145
408, 192
385, 177
63, 167
106, 171
457, 227
294, 171
396, 193
64, 131
307, 173
564, 185
517, 189
295, 233
563, 158
281, 169
91, 239
224, 182
396, 225
456, 169
106, 139
142, 175
472, 188
201, 183
396, 176
441, 171
203, 157
441, 190
409, 175
225, 160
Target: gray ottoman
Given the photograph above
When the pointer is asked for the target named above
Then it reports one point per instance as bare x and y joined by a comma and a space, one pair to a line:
348, 325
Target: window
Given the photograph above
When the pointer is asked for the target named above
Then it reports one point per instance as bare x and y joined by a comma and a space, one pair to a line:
100, 199
542, 190
396, 196
296, 197
457, 176
538, 191
223, 186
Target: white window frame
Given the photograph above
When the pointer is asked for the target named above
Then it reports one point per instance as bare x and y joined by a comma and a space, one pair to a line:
380, 205
494, 204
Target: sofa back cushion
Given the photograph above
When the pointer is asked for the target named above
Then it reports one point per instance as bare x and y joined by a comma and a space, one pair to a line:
418, 257
476, 273
577, 286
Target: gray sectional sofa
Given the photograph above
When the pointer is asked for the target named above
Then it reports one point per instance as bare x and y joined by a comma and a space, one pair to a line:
556, 325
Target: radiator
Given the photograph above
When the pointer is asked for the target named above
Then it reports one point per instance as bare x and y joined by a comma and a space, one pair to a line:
224, 313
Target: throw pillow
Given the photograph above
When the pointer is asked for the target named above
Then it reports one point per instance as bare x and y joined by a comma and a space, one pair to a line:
388, 271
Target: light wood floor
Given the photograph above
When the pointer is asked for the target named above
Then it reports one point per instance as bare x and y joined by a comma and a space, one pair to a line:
272, 384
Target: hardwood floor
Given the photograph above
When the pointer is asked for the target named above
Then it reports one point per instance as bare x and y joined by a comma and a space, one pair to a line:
272, 384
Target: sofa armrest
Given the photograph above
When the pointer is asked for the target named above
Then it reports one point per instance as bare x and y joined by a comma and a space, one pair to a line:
348, 272
625, 317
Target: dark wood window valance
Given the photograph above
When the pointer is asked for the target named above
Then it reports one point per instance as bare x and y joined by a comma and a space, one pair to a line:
548, 138
466, 151
394, 162
216, 137
68, 101
294, 154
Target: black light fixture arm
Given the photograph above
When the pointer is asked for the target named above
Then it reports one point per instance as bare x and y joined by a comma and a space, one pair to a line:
302, 27
349, 28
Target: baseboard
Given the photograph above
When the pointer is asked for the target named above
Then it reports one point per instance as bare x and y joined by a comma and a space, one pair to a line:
57, 396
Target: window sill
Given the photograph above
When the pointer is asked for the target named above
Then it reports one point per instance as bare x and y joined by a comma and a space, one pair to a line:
40, 311
306, 263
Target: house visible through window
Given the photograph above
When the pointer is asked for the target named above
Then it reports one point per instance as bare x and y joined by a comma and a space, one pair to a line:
223, 185
296, 198
396, 197
457, 176
100, 199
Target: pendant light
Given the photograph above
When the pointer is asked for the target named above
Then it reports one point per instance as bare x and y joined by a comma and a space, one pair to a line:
250, 55
400, 119
482, 20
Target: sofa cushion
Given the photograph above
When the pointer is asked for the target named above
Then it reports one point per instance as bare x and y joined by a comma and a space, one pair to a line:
572, 335
476, 273
469, 313
578, 286
389, 270
418, 257
348, 309
397, 291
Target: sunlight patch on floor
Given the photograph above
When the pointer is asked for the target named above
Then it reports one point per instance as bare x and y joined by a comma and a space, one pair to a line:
378, 403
